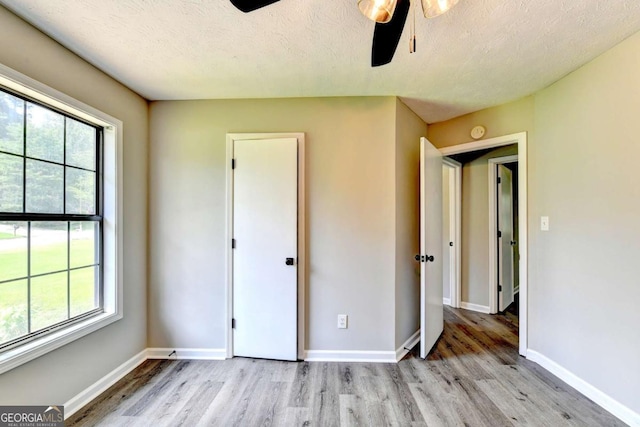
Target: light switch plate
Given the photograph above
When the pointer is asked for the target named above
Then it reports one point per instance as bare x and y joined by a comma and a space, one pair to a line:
544, 223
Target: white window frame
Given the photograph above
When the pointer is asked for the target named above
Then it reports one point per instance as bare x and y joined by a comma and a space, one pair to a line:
112, 219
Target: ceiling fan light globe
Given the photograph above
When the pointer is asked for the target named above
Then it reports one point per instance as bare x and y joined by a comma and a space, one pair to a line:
433, 8
380, 11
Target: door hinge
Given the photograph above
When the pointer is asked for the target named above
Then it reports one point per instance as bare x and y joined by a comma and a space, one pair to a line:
499, 180
233, 323
233, 243
450, 243
233, 163
499, 288
499, 233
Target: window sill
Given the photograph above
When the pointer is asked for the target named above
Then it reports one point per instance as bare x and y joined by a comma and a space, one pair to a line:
15, 357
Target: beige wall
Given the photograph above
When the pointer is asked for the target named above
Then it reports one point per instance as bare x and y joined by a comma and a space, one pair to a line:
63, 373
583, 173
502, 120
474, 284
409, 129
583, 277
350, 216
584, 273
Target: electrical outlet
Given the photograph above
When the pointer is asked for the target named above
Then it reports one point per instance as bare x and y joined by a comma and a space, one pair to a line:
342, 321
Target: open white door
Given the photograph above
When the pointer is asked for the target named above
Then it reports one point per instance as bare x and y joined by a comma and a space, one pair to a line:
505, 238
265, 209
431, 310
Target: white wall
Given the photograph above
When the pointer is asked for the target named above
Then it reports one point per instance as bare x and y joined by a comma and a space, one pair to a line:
409, 129
63, 373
350, 226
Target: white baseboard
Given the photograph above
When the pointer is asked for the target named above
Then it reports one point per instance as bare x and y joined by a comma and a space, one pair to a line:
350, 356
87, 395
619, 410
408, 344
187, 353
475, 307
446, 301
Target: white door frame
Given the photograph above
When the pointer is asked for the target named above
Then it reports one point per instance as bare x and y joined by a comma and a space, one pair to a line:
521, 140
493, 229
302, 226
455, 221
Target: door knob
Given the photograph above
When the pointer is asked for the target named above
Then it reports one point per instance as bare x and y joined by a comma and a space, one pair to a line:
513, 243
289, 261
430, 258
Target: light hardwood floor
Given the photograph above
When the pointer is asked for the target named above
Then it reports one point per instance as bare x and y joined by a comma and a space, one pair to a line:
473, 378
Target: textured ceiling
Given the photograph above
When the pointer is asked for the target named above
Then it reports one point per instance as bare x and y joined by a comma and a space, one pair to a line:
482, 53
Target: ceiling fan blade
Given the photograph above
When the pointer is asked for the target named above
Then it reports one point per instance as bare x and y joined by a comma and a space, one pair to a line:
387, 36
251, 5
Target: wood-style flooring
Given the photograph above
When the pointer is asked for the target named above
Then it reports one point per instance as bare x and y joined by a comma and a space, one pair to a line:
474, 377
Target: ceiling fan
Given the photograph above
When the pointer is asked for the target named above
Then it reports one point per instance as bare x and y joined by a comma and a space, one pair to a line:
389, 15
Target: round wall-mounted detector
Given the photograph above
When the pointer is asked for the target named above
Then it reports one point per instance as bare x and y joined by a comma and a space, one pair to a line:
478, 132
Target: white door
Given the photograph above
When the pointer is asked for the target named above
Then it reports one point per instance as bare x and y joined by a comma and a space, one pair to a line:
431, 310
505, 238
265, 206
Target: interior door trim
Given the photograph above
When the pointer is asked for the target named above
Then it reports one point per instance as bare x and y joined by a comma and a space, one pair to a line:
455, 224
302, 231
493, 228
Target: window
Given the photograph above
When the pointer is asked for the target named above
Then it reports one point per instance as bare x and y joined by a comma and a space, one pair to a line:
60, 216
50, 222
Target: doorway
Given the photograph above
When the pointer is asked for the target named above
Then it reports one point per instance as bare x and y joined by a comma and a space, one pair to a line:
521, 140
266, 261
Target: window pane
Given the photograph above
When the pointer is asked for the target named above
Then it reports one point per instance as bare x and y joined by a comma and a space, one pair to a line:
45, 187
48, 247
84, 295
83, 241
13, 250
13, 310
81, 145
81, 192
48, 300
45, 134
11, 123
10, 183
